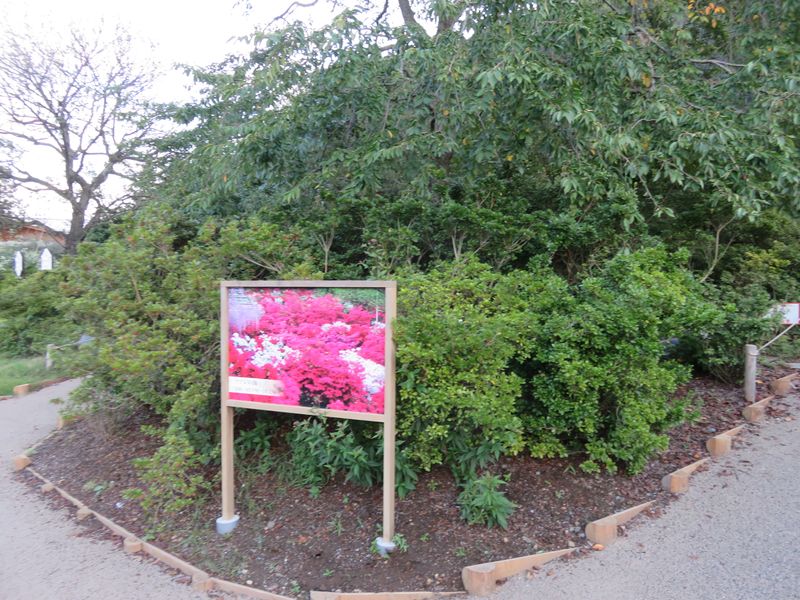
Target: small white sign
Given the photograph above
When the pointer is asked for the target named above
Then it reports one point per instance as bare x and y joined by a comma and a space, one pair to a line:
260, 387
19, 263
46, 260
789, 311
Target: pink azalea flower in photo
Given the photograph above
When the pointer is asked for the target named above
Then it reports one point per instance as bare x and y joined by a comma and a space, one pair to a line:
320, 351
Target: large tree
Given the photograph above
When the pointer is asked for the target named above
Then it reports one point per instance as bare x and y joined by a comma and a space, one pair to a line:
79, 101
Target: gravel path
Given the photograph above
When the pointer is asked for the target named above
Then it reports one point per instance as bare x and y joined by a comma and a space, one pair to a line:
41, 555
733, 535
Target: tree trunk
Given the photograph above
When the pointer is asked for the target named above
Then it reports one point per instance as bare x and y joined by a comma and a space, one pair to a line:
77, 231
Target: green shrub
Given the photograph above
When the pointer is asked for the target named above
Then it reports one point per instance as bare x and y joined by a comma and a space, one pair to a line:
461, 328
172, 479
490, 362
32, 314
467, 455
149, 296
405, 476
717, 348
598, 378
749, 265
483, 503
318, 454
253, 444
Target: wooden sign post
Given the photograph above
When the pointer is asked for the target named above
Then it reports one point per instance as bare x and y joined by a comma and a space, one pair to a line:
311, 348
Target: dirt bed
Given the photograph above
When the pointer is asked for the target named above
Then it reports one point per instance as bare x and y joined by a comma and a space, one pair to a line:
289, 542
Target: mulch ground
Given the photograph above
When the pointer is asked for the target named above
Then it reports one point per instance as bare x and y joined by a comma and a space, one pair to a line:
289, 542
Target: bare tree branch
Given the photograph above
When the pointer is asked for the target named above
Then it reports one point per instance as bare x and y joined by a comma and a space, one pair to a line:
729, 67
446, 23
291, 7
23, 177
383, 11
612, 7
76, 98
717, 255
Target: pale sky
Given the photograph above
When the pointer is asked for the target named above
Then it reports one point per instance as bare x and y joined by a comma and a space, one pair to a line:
182, 31
165, 32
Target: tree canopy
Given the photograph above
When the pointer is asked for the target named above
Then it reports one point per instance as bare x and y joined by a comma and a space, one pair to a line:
517, 128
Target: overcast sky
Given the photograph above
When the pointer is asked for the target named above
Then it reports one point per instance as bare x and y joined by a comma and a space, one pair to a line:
182, 31
166, 31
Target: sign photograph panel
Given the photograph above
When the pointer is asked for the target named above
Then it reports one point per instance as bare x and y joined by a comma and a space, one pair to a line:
315, 347
310, 348
789, 311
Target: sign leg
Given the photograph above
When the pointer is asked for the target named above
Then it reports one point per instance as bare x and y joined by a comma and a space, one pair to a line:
228, 521
385, 543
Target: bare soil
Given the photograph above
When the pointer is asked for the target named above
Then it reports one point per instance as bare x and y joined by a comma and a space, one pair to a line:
289, 542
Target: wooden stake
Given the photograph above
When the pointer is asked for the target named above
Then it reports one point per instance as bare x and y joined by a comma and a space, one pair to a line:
228, 507
226, 433
389, 416
750, 370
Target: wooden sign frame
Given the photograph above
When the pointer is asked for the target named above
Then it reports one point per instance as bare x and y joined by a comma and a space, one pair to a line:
229, 518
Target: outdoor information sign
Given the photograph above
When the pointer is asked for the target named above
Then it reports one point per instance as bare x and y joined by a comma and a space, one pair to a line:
311, 348
790, 311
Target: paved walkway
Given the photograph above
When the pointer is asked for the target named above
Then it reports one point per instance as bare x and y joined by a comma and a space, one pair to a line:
40, 553
734, 535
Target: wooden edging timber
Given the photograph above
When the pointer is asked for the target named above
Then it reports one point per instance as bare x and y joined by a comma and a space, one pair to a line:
481, 580
604, 531
383, 595
720, 445
21, 390
24, 389
201, 581
782, 386
754, 412
677, 482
